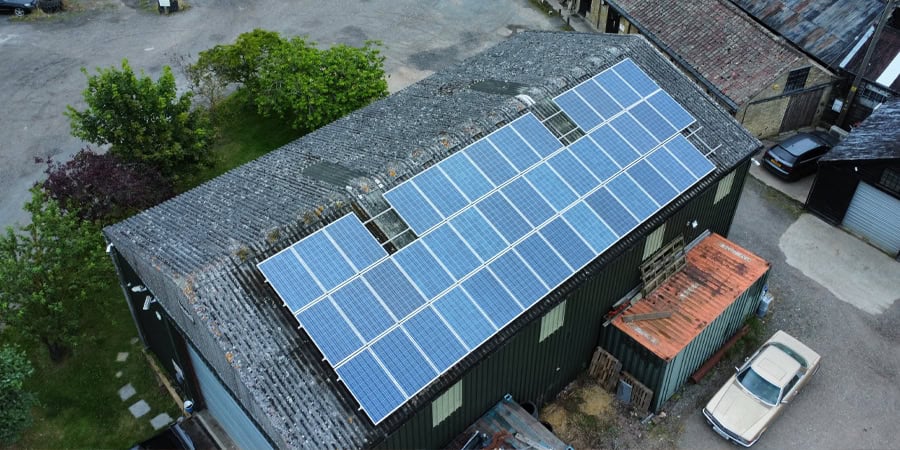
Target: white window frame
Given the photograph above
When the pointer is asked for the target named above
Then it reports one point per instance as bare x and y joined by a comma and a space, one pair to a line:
724, 187
654, 241
445, 405
553, 320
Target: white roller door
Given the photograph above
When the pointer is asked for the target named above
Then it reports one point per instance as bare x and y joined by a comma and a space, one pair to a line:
875, 216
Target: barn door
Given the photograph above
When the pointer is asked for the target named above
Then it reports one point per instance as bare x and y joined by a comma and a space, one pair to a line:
801, 110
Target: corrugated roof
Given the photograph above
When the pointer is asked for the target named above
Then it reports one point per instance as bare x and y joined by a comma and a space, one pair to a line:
728, 48
877, 138
186, 248
826, 29
718, 271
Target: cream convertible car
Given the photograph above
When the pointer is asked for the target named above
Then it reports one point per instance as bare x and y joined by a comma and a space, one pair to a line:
755, 395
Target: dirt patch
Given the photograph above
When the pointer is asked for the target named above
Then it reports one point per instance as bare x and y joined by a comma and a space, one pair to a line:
584, 415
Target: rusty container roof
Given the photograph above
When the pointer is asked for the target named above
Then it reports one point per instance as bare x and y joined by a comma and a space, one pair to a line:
718, 271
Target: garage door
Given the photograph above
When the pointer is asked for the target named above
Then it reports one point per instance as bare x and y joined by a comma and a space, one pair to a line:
875, 216
225, 409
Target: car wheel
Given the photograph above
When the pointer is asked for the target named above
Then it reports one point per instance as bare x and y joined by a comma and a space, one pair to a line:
19, 12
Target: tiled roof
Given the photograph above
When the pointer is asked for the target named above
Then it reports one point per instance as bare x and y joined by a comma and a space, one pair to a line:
718, 271
186, 250
728, 48
826, 29
877, 138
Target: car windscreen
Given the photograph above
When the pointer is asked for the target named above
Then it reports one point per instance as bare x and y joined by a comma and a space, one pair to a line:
759, 387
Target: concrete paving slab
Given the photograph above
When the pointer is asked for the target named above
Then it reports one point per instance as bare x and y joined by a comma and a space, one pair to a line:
122, 356
125, 392
160, 421
139, 409
852, 270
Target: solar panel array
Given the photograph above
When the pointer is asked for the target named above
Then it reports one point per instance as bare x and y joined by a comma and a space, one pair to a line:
501, 224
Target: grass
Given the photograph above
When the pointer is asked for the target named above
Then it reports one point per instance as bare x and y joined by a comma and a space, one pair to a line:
242, 136
79, 403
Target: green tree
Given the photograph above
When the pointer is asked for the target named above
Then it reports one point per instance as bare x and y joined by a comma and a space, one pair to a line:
15, 413
311, 87
239, 62
49, 270
142, 120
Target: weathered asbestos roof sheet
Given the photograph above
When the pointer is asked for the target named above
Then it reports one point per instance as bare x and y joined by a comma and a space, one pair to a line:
886, 50
728, 48
202, 246
718, 271
826, 29
877, 138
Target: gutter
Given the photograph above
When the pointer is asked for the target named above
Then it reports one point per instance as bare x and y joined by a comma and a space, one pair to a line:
730, 104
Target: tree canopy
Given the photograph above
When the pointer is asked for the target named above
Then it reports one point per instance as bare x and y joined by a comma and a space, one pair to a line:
15, 413
48, 271
141, 120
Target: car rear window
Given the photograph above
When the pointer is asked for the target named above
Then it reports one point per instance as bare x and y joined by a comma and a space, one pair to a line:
783, 154
800, 146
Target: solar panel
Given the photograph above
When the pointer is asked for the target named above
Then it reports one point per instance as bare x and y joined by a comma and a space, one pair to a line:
501, 224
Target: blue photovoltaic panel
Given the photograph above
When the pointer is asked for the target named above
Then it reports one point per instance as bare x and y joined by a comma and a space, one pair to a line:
395, 290
290, 280
362, 309
536, 134
652, 121
449, 249
673, 171
355, 241
590, 227
543, 260
371, 386
478, 233
655, 185
567, 242
323, 259
514, 148
617, 88
412, 207
402, 360
614, 146
435, 339
331, 333
575, 173
639, 203
598, 99
464, 317
682, 149
671, 110
491, 163
636, 77
638, 137
528, 201
612, 212
553, 188
577, 110
466, 177
596, 160
440, 191
488, 293
516, 276
505, 219
423, 269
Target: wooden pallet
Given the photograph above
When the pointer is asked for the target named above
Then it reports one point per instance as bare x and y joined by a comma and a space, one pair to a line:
640, 395
662, 264
605, 367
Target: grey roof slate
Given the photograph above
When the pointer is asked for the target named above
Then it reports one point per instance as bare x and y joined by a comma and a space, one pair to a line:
876, 139
197, 252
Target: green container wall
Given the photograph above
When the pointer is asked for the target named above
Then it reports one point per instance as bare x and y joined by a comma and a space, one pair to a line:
666, 378
536, 371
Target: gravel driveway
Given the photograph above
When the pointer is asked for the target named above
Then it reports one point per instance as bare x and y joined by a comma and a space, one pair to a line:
40, 73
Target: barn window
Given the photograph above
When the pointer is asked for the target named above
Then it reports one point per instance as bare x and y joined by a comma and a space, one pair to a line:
890, 180
724, 187
446, 404
796, 80
654, 241
553, 321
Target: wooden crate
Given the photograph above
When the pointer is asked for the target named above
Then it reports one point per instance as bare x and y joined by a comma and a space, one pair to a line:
605, 367
640, 395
